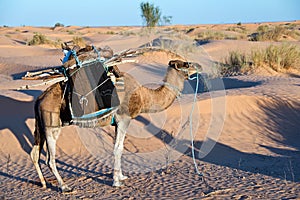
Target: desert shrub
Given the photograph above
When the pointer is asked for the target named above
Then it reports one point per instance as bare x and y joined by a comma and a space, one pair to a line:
262, 28
236, 58
38, 39
278, 57
236, 63
258, 57
79, 41
110, 32
285, 56
211, 35
127, 33
216, 35
71, 32
239, 29
290, 26
57, 42
266, 33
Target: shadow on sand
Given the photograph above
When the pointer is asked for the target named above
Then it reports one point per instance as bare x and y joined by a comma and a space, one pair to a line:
14, 114
285, 166
217, 84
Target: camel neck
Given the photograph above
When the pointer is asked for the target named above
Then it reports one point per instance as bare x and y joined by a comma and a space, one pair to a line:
162, 97
174, 81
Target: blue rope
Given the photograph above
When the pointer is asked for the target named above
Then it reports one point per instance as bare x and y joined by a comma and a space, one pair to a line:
67, 55
191, 122
99, 58
76, 58
96, 50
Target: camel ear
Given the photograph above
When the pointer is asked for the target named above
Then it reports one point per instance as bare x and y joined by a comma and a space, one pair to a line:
65, 46
176, 65
171, 63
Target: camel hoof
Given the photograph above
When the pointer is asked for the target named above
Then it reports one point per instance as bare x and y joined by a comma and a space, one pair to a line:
118, 184
122, 178
44, 185
66, 189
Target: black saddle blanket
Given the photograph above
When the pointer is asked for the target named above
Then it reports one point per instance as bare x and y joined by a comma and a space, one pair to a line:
92, 89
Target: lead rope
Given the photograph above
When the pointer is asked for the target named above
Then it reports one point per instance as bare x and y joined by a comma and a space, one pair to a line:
191, 122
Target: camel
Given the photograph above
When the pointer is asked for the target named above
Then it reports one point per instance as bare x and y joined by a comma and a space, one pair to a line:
52, 111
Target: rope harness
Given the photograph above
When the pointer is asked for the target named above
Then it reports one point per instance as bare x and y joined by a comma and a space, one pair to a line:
191, 121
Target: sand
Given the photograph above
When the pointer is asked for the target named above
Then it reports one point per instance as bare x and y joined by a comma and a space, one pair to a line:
246, 129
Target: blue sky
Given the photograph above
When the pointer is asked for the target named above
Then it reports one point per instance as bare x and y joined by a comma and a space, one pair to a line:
127, 12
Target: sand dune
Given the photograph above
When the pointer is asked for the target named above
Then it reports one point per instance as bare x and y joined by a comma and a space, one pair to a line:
246, 132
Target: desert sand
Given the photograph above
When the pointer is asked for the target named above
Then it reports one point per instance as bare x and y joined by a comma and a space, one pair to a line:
245, 128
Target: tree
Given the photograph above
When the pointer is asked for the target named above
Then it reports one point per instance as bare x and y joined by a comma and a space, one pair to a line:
150, 14
58, 25
167, 20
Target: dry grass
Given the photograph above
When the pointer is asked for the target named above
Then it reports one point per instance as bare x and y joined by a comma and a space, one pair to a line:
40, 39
283, 57
236, 63
238, 29
276, 33
278, 57
221, 35
79, 41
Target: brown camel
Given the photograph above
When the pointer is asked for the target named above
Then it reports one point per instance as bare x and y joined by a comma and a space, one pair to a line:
52, 110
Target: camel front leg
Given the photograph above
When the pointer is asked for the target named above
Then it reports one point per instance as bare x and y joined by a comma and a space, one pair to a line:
118, 150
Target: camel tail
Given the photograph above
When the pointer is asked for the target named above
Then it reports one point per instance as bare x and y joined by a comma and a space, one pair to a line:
39, 133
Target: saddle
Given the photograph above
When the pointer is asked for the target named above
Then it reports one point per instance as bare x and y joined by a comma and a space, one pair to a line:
90, 90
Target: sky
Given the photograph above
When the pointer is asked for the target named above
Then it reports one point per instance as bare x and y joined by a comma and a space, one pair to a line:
127, 12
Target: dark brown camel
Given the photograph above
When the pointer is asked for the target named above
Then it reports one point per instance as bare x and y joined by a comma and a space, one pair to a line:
52, 109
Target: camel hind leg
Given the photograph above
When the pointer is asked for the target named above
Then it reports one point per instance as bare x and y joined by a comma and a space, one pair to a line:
52, 135
36, 153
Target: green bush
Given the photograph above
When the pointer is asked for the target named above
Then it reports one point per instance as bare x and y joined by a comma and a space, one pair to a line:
38, 39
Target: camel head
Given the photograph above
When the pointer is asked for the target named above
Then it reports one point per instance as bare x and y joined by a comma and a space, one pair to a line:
187, 69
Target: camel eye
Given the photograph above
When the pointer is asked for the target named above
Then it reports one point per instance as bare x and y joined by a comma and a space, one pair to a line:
187, 65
